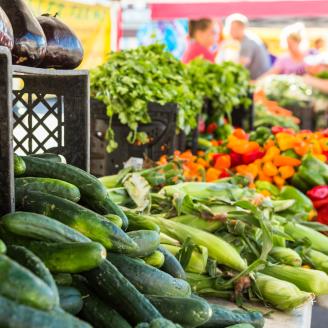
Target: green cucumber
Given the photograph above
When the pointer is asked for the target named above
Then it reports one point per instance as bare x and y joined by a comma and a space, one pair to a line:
158, 323
90, 187
21, 285
3, 247
114, 219
14, 315
30, 261
107, 206
149, 280
138, 222
95, 311
40, 227
19, 166
188, 312
155, 259
89, 223
49, 186
119, 291
147, 241
63, 279
171, 264
50, 157
223, 317
69, 257
70, 299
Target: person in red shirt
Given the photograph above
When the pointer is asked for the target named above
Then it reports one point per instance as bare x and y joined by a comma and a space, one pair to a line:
202, 38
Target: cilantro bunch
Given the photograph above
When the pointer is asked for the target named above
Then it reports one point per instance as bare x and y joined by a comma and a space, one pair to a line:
130, 79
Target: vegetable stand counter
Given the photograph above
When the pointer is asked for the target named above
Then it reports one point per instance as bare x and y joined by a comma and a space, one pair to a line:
299, 318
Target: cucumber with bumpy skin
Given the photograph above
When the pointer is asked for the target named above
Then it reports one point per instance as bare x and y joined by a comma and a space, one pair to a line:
30, 261
90, 187
96, 311
149, 280
50, 157
107, 206
63, 279
49, 186
3, 247
188, 312
70, 299
115, 288
40, 227
19, 284
19, 166
223, 317
14, 315
147, 242
171, 264
114, 219
69, 257
89, 223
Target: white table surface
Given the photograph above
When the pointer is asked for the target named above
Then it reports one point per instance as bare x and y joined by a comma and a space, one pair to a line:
299, 318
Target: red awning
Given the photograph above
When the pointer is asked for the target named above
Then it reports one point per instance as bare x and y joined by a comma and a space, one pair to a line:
250, 8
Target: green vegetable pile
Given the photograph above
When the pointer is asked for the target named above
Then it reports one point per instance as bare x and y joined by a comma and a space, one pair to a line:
226, 85
288, 90
71, 257
130, 79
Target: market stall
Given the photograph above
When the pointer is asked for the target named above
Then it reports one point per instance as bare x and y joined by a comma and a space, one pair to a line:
206, 205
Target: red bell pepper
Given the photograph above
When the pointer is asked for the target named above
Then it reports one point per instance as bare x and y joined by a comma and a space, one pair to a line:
323, 215
211, 128
278, 129
320, 203
224, 174
236, 159
252, 156
318, 193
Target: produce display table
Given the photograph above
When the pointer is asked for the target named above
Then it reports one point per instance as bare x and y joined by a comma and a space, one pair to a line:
299, 318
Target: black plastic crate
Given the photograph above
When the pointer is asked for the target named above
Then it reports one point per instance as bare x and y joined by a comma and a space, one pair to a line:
6, 151
46, 110
306, 114
161, 132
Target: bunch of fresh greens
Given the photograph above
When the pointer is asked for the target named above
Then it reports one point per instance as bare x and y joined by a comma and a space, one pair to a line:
130, 79
288, 90
225, 85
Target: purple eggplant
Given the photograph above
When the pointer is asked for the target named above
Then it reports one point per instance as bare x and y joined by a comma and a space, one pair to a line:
64, 49
29, 40
6, 31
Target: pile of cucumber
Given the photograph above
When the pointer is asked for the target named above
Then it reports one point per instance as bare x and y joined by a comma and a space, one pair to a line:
68, 258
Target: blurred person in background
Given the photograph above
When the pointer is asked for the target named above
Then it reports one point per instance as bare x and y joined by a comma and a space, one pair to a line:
202, 35
253, 54
293, 37
319, 45
317, 73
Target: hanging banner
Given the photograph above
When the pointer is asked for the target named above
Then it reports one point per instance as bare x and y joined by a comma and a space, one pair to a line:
91, 23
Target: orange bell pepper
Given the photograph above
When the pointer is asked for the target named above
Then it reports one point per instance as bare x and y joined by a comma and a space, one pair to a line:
202, 162
263, 177
324, 144
269, 169
286, 161
285, 141
279, 181
270, 143
271, 154
212, 174
286, 171
240, 134
242, 169
223, 162
253, 170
